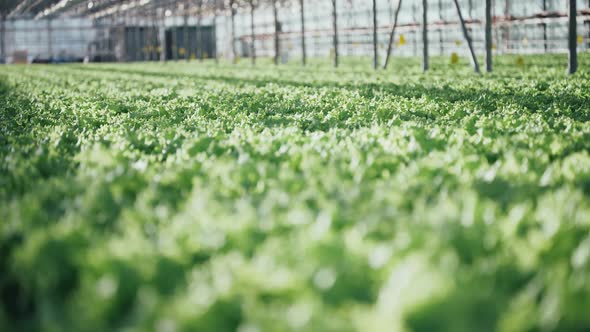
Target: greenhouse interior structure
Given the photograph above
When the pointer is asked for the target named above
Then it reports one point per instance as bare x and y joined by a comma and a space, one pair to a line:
295, 165
159, 30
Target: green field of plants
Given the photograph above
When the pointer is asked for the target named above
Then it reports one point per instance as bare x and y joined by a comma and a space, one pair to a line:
201, 197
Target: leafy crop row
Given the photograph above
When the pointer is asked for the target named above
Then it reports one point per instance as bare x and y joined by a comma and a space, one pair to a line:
196, 197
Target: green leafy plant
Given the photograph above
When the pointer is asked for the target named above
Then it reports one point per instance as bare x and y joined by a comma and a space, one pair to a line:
198, 197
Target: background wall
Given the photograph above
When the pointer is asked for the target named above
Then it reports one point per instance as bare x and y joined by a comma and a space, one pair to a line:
59, 39
105, 39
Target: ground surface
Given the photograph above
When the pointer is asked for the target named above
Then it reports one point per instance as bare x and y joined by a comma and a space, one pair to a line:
196, 197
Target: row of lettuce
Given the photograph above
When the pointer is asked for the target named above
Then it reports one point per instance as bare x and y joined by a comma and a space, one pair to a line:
178, 197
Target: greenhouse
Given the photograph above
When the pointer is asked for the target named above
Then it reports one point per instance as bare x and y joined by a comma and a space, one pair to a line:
294, 165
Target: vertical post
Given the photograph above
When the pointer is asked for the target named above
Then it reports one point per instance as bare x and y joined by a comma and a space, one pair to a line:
185, 39
303, 50
81, 36
544, 25
335, 27
488, 35
414, 31
424, 35
49, 37
152, 36
572, 38
137, 31
199, 48
392, 34
162, 36
277, 30
174, 40
2, 38
214, 24
375, 42
252, 34
127, 38
136, 39
156, 36
441, 49
142, 40
233, 31
467, 38
505, 28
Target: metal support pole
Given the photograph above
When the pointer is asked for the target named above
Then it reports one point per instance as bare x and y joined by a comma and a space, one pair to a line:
233, 32
150, 36
136, 47
441, 46
127, 38
49, 37
140, 40
156, 36
572, 38
185, 40
544, 25
392, 34
414, 31
277, 30
425, 35
252, 34
2, 38
467, 38
199, 48
214, 23
174, 41
506, 29
441, 49
145, 42
140, 53
303, 50
162, 37
488, 35
375, 41
335, 27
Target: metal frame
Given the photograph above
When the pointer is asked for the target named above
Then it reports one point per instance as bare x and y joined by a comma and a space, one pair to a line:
132, 10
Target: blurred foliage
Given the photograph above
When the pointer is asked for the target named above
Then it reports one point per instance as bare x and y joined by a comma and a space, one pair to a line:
197, 197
